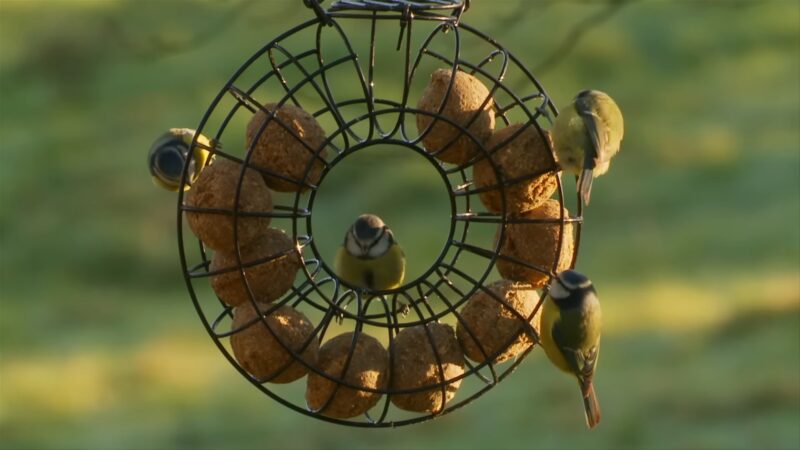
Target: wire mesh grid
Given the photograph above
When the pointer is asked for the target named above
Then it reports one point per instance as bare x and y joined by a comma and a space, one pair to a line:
298, 68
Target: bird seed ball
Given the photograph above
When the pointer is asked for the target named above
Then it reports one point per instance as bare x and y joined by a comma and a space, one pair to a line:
465, 101
536, 244
283, 151
494, 324
524, 155
415, 365
215, 188
268, 280
368, 368
259, 350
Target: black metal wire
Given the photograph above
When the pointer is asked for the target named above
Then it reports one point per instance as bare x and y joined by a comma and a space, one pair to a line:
440, 292
428, 9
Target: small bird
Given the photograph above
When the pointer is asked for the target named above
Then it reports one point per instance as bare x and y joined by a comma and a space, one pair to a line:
168, 154
586, 135
370, 258
570, 333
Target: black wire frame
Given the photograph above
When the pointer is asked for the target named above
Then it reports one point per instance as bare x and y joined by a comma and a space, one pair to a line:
443, 279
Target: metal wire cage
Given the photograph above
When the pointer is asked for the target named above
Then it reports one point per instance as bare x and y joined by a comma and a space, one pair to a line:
328, 67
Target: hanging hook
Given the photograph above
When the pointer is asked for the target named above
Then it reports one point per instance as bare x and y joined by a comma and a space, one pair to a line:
458, 12
322, 15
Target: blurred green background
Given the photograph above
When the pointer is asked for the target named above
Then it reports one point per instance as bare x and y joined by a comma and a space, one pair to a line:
693, 238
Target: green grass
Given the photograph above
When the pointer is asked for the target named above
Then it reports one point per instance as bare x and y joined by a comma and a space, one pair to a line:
693, 238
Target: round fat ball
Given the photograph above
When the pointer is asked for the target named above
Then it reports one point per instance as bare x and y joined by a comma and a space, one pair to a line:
466, 100
536, 244
259, 350
268, 280
215, 188
287, 150
494, 324
368, 368
415, 365
525, 155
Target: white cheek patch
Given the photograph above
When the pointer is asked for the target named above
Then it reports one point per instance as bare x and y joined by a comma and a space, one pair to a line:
351, 246
380, 247
558, 291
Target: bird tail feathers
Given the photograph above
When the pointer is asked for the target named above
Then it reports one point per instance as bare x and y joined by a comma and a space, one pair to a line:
590, 405
585, 185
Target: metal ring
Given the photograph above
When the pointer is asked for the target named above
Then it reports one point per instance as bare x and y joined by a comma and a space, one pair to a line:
295, 76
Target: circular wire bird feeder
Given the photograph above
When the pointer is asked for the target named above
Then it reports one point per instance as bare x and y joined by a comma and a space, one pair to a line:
328, 66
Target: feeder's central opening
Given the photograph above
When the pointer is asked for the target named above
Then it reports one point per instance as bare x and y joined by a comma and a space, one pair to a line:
399, 185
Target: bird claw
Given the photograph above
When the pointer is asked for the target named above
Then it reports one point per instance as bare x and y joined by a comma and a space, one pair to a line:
340, 313
404, 310
342, 305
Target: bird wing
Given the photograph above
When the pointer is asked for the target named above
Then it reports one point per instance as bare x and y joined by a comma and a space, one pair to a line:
593, 156
582, 361
597, 129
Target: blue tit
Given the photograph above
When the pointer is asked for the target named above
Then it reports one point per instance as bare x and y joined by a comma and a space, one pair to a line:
570, 333
586, 135
167, 157
370, 258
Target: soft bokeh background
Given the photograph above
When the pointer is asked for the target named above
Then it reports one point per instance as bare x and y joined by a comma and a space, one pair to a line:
693, 238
